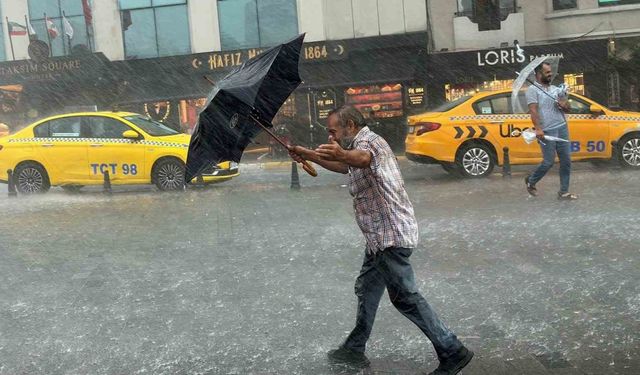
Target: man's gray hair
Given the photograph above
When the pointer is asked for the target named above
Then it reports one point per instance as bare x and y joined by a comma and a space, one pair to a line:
346, 113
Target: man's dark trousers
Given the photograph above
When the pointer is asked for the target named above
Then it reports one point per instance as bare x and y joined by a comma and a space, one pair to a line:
391, 269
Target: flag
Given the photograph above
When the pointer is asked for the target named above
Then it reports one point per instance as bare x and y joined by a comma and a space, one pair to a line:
30, 28
51, 28
16, 29
86, 9
66, 27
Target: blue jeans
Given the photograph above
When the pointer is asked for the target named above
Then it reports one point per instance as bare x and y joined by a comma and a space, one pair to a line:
549, 150
391, 269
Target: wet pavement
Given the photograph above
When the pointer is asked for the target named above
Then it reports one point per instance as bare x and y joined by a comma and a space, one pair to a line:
250, 277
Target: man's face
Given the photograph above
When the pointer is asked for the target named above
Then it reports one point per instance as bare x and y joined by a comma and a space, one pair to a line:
336, 131
545, 75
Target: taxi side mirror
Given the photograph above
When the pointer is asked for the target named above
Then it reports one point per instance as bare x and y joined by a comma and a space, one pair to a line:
596, 110
130, 134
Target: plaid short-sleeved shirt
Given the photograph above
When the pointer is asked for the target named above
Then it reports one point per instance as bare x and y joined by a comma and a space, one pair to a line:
382, 207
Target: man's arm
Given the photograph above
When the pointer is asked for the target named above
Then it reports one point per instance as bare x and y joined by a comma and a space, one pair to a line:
298, 153
353, 158
535, 118
563, 104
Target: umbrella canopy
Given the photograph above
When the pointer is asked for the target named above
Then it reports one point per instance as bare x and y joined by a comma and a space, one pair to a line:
526, 77
257, 89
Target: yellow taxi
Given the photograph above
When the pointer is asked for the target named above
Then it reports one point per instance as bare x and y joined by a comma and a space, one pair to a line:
78, 149
468, 136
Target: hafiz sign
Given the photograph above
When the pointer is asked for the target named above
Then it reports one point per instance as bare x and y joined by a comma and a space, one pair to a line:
506, 57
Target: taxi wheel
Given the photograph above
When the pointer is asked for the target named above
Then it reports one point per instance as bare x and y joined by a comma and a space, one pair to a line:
475, 160
168, 174
31, 178
629, 151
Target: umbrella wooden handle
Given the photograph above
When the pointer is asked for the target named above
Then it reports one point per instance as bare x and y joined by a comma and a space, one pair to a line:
305, 164
309, 168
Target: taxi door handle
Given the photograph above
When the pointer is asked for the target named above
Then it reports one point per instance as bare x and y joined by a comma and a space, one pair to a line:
47, 145
96, 145
496, 121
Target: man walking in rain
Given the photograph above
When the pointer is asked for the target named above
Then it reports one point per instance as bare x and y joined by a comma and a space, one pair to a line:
385, 216
547, 115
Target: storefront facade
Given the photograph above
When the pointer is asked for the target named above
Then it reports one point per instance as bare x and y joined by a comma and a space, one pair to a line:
32, 89
376, 74
583, 66
387, 77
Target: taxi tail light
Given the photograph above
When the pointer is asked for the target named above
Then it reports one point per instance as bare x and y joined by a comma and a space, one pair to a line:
425, 127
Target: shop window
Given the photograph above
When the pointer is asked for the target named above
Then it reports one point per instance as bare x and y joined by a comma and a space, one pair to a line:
486, 13
377, 101
564, 4
189, 111
575, 82
155, 28
10, 99
604, 3
458, 90
288, 108
256, 23
82, 39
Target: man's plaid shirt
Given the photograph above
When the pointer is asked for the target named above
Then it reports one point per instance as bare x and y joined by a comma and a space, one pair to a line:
382, 207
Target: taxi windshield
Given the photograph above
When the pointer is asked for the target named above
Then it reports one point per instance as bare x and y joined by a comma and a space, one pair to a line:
444, 107
153, 128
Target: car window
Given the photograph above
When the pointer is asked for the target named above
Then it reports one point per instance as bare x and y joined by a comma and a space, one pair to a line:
67, 127
153, 128
493, 105
577, 106
522, 101
105, 127
42, 130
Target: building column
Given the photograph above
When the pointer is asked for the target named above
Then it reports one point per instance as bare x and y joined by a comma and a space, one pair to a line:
204, 27
311, 20
107, 29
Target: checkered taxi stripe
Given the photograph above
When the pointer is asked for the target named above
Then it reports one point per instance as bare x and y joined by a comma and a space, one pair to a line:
525, 116
97, 140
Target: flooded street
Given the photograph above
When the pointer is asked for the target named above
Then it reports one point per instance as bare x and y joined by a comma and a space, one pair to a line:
249, 276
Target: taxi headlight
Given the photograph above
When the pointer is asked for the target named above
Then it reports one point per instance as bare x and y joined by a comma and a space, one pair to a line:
233, 165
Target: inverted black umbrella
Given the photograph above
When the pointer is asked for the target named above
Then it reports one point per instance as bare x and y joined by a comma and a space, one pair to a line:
242, 104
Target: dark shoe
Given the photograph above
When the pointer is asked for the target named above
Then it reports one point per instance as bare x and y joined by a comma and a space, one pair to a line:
530, 187
455, 363
349, 357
